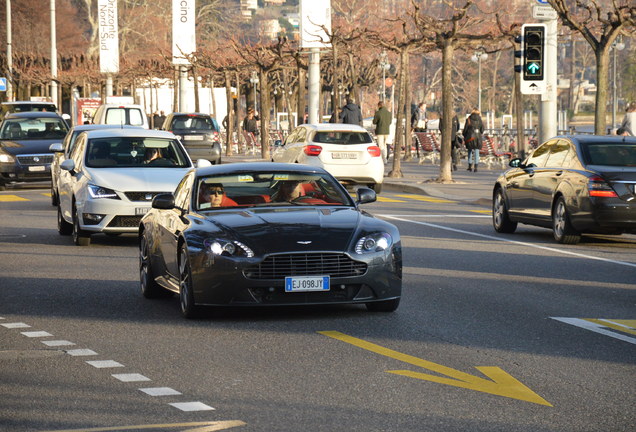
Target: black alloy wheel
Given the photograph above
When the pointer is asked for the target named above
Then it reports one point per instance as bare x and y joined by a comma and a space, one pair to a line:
63, 227
500, 219
186, 295
149, 287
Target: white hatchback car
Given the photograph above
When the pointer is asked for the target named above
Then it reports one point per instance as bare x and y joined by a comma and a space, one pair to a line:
346, 151
111, 177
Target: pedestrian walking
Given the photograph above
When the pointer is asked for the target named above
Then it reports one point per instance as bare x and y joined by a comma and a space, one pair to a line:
382, 121
473, 130
351, 113
250, 123
629, 121
418, 118
455, 141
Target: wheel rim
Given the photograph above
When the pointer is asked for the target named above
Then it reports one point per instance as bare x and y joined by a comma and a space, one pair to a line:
559, 219
143, 264
498, 210
184, 283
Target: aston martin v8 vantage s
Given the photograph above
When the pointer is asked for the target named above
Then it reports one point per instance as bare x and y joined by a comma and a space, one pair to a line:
266, 234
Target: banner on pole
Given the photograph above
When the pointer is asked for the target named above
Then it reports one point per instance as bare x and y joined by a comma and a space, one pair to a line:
315, 23
183, 31
108, 36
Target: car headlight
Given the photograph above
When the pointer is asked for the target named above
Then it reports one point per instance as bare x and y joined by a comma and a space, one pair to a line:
6, 158
228, 248
375, 242
97, 192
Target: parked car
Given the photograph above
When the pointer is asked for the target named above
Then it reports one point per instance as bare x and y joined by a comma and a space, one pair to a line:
111, 176
199, 134
25, 138
572, 184
272, 234
117, 114
344, 150
61, 152
25, 106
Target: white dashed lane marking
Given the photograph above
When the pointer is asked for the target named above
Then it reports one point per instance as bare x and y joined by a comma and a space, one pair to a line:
37, 334
15, 325
191, 406
81, 352
160, 391
131, 377
56, 343
102, 364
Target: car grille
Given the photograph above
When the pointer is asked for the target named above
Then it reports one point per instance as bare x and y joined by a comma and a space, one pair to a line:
323, 264
141, 196
35, 159
125, 222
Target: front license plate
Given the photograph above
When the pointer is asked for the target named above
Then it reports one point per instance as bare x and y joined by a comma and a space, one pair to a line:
344, 155
141, 210
306, 283
37, 168
193, 137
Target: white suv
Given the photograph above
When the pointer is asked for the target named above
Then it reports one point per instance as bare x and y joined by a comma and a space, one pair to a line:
117, 114
111, 177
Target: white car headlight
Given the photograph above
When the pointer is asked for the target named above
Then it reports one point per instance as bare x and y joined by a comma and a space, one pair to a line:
97, 192
6, 158
375, 242
228, 248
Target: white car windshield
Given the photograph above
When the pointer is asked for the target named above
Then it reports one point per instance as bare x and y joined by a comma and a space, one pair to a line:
136, 152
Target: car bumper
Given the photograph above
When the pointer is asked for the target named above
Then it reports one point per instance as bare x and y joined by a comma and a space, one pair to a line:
372, 172
111, 216
15, 172
205, 151
223, 282
607, 215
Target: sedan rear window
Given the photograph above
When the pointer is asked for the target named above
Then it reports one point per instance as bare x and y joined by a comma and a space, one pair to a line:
610, 154
124, 116
341, 137
198, 123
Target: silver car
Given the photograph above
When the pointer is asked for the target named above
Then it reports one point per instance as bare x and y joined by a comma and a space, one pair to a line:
110, 178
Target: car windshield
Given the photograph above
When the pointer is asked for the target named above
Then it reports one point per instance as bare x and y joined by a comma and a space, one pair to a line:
266, 189
342, 137
33, 129
198, 123
619, 154
135, 152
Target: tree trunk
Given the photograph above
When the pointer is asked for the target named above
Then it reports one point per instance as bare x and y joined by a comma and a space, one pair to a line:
263, 79
230, 114
300, 105
445, 173
408, 135
396, 172
195, 80
602, 82
521, 139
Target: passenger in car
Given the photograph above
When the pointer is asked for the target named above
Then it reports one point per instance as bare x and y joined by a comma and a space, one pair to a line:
213, 195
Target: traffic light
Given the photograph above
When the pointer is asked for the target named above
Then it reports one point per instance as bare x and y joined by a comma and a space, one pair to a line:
533, 47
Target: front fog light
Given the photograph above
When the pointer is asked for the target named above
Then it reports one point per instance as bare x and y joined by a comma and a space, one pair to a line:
92, 218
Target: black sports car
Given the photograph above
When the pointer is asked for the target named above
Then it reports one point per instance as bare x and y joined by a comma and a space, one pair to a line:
572, 184
261, 234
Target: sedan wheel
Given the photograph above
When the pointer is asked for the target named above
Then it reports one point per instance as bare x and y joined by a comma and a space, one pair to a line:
54, 198
149, 287
500, 219
80, 237
63, 227
561, 226
186, 294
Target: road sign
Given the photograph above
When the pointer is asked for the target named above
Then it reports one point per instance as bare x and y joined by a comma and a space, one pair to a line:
3, 84
544, 12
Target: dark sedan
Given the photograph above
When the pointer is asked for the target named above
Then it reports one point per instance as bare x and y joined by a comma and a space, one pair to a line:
265, 234
25, 138
572, 184
199, 134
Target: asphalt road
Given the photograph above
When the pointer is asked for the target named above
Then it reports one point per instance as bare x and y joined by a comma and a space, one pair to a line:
550, 327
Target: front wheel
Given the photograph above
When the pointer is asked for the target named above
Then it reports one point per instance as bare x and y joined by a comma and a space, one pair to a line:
186, 290
149, 287
63, 227
54, 198
80, 237
500, 218
562, 229
384, 305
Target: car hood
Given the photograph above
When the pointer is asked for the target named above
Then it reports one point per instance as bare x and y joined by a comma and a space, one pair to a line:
275, 230
17, 147
137, 179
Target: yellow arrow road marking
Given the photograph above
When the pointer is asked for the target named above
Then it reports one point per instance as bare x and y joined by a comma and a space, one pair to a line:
8, 198
620, 325
207, 427
500, 382
427, 199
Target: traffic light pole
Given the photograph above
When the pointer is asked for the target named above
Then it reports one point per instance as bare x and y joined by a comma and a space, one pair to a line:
548, 108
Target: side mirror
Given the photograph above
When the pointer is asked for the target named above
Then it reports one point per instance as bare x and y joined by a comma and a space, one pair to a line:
68, 165
514, 163
164, 201
56, 148
278, 143
366, 195
202, 163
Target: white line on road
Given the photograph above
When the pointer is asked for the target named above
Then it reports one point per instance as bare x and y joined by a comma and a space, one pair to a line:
489, 237
54, 343
191, 406
595, 328
160, 391
131, 377
37, 334
15, 325
103, 364
81, 352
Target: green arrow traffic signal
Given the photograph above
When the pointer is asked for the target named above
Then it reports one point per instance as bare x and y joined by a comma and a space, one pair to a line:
533, 68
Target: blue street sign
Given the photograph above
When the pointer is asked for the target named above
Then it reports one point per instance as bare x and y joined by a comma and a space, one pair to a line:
3, 84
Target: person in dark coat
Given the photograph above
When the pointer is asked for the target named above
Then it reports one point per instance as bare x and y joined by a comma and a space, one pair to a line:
473, 130
382, 121
455, 141
250, 123
351, 113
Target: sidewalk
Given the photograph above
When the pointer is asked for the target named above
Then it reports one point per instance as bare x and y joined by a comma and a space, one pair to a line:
469, 187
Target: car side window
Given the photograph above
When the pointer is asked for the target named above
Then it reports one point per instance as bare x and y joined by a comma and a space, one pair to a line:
78, 150
558, 153
539, 156
291, 138
182, 193
301, 135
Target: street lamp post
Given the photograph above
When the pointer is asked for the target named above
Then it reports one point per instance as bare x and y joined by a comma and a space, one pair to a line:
254, 81
477, 57
617, 45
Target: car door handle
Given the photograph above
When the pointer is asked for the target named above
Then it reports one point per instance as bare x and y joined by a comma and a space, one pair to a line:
559, 173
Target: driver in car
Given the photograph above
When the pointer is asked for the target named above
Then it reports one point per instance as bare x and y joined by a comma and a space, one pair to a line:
152, 154
289, 191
